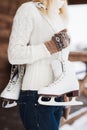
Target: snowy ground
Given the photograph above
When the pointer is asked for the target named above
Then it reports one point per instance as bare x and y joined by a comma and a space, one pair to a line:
79, 124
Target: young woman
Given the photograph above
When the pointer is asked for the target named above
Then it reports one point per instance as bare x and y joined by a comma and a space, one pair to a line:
34, 25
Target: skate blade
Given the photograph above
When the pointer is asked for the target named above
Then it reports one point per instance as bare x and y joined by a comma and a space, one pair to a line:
9, 105
52, 102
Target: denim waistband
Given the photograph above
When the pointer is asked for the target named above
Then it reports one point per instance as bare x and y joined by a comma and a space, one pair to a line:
28, 93
34, 94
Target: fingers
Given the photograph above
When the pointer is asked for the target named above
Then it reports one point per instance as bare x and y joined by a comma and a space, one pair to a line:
51, 46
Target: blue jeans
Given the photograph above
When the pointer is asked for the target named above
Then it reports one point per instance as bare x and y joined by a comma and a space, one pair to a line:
35, 116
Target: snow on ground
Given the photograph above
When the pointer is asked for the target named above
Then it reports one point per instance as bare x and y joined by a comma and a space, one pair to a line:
79, 124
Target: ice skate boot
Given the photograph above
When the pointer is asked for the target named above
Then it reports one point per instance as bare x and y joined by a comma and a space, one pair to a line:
11, 92
65, 83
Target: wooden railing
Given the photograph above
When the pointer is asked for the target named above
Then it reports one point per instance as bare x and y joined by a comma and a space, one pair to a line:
78, 56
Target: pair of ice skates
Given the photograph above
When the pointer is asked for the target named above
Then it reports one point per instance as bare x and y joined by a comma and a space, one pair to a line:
65, 83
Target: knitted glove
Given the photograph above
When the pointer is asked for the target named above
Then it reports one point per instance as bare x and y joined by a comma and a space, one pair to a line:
58, 42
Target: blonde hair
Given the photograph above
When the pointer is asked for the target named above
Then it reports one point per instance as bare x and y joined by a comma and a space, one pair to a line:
47, 3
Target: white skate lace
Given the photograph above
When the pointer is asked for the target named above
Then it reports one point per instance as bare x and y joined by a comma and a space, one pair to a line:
19, 77
12, 82
10, 85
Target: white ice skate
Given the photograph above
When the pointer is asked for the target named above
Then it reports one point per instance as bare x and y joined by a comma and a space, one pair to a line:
14, 83
65, 83
13, 87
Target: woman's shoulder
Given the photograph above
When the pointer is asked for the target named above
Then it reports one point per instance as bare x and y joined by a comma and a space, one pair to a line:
27, 5
26, 8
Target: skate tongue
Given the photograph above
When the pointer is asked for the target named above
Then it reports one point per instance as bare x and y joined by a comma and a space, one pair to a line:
52, 102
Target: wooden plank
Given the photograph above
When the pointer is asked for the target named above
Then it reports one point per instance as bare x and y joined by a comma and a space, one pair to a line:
3, 50
6, 6
5, 33
4, 66
4, 39
4, 3
77, 1
6, 18
78, 56
3, 25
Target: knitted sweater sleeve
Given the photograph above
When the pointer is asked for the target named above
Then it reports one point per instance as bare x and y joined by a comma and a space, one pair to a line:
18, 50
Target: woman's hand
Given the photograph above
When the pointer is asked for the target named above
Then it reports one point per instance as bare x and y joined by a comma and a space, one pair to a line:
51, 46
58, 42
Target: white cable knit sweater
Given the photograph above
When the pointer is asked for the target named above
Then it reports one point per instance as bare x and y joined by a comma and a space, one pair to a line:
29, 26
